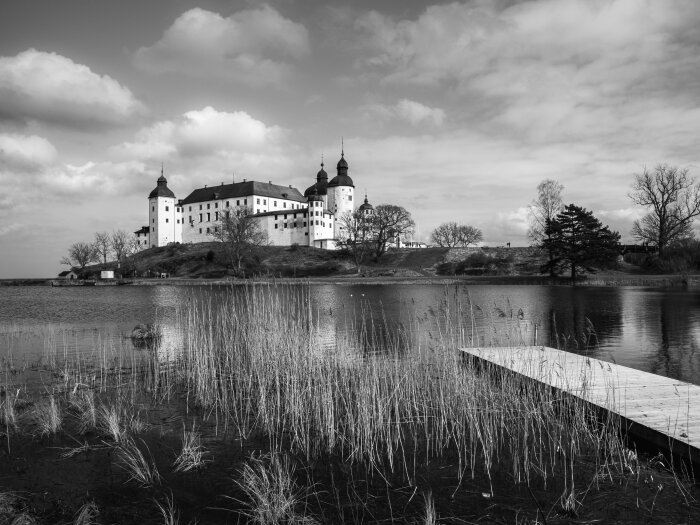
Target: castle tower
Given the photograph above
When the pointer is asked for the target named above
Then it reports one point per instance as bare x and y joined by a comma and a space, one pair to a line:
316, 208
341, 190
162, 215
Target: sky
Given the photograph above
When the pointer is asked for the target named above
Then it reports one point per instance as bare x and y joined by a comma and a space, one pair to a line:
454, 110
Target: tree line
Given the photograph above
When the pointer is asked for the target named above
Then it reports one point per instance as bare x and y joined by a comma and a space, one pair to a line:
115, 246
571, 236
574, 238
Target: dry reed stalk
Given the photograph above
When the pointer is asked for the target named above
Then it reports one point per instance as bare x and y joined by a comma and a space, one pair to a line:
259, 361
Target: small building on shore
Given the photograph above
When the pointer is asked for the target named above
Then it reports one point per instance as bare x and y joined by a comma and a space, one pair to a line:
69, 275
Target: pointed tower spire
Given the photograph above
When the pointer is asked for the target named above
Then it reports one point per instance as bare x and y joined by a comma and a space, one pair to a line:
342, 147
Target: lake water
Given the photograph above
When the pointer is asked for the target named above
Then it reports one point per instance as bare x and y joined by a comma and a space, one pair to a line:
651, 329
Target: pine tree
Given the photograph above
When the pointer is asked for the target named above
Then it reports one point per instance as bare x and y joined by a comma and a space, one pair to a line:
580, 242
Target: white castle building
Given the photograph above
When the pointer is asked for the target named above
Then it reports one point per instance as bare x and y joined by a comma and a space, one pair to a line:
284, 213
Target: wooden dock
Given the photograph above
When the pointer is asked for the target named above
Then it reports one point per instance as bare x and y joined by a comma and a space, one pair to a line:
663, 412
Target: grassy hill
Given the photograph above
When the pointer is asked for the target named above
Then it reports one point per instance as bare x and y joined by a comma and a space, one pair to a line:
207, 260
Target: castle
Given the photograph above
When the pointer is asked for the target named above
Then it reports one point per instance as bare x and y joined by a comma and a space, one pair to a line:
287, 216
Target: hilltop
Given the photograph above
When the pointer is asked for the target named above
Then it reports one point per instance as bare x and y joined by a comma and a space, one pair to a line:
207, 260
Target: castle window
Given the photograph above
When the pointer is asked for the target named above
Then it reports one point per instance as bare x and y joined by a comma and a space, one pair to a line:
274, 203
178, 221
306, 233
200, 219
238, 203
208, 205
245, 202
153, 229
258, 210
216, 229
295, 224
284, 204
167, 208
200, 230
153, 208
304, 223
208, 230
349, 197
227, 204
258, 202
216, 215
285, 224
208, 218
167, 220
264, 201
228, 214
200, 206
216, 205
316, 223
190, 208
285, 215
276, 226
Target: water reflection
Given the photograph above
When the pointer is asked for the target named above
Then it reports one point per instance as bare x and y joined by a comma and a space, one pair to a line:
656, 330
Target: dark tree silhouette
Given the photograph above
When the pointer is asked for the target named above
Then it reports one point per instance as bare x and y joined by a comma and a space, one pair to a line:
578, 241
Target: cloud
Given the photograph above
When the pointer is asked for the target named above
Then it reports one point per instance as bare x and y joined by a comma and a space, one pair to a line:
7, 229
199, 133
408, 111
252, 46
550, 70
35, 85
25, 153
213, 143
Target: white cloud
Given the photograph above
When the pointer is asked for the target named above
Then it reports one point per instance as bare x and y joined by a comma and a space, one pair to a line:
22, 152
209, 146
202, 133
7, 229
551, 70
410, 111
35, 85
251, 46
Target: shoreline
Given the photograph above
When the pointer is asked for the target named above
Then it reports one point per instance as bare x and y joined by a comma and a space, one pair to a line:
606, 279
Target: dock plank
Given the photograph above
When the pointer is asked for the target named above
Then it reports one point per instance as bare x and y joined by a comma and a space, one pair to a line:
661, 409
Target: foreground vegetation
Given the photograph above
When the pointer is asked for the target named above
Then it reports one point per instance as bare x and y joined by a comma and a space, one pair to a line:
259, 415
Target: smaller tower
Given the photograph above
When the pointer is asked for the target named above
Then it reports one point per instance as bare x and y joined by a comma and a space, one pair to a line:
341, 189
315, 208
162, 214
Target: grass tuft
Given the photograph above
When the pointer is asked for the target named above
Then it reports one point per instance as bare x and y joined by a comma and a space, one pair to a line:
87, 514
47, 417
192, 456
272, 496
134, 462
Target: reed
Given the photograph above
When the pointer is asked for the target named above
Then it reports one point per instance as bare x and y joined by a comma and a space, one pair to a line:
377, 398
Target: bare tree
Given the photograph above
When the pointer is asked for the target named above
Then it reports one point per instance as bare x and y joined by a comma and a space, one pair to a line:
451, 234
80, 255
389, 222
541, 213
674, 199
356, 235
102, 245
240, 234
119, 241
543, 209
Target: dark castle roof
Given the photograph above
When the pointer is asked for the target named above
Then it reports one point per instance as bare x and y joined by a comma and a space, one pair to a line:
244, 189
342, 178
161, 190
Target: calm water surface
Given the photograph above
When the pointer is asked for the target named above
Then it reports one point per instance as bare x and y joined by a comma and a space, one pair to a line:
651, 329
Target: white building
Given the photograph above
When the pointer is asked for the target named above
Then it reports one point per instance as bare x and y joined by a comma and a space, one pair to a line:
284, 213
